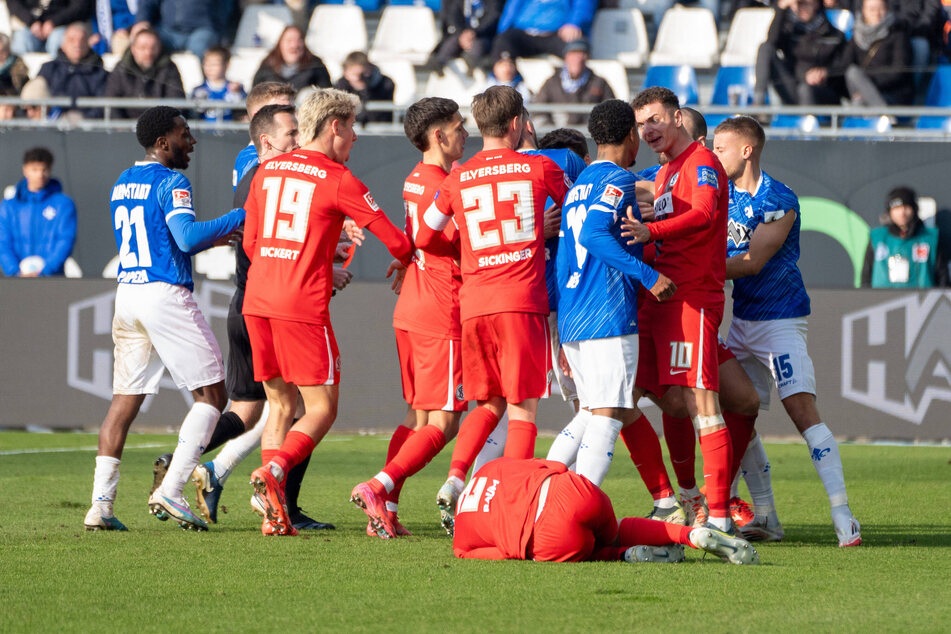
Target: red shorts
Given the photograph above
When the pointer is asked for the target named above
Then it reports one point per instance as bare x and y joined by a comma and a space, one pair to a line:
577, 518
506, 354
432, 371
299, 353
679, 346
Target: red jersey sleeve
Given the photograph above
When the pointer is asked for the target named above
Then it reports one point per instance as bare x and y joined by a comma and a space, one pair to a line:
355, 200
703, 178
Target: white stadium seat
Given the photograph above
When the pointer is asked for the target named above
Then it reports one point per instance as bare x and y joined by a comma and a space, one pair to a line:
535, 71
111, 270
335, 31
405, 32
686, 37
455, 84
5, 18
620, 34
71, 269
217, 263
189, 67
244, 64
747, 31
614, 73
261, 25
33, 61
404, 77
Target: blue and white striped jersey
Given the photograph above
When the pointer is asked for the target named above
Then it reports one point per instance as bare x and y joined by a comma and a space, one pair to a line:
777, 291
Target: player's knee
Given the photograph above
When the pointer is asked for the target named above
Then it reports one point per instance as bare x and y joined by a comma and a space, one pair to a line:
213, 395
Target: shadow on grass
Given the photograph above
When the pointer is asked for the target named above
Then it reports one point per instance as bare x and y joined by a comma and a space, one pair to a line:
916, 535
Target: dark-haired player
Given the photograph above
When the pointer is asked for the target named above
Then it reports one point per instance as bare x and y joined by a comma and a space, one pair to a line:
156, 318
566, 138
770, 305
426, 318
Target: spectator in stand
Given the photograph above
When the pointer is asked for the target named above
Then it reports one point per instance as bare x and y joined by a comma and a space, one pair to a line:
290, 61
877, 59
924, 21
37, 221
214, 66
183, 25
145, 71
468, 27
13, 72
111, 26
505, 73
904, 253
365, 80
796, 56
573, 84
39, 25
77, 71
529, 28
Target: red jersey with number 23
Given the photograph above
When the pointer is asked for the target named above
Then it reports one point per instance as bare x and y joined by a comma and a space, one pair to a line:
498, 201
294, 216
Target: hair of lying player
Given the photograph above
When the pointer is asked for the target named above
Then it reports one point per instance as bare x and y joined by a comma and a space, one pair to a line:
321, 107
155, 123
611, 121
495, 108
565, 139
746, 127
38, 155
425, 114
264, 120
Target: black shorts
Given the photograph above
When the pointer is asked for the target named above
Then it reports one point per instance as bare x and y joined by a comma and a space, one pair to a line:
239, 371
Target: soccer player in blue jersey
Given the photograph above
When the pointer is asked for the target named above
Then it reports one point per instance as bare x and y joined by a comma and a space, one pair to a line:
598, 275
770, 305
157, 321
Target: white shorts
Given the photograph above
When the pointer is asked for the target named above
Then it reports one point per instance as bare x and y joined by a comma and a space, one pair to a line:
771, 352
566, 384
604, 370
156, 324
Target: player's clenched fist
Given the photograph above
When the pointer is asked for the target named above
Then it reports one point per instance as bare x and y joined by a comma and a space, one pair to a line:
663, 288
632, 228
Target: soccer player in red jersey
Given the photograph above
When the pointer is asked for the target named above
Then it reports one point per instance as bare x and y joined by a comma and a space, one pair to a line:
497, 199
537, 509
295, 213
679, 346
426, 319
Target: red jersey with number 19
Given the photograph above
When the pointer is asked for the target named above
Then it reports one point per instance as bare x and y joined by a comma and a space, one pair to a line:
429, 300
497, 199
294, 215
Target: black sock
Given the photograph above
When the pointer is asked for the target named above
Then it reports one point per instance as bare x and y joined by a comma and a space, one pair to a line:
292, 485
228, 426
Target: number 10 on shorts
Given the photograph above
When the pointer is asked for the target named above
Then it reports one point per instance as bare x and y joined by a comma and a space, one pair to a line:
681, 352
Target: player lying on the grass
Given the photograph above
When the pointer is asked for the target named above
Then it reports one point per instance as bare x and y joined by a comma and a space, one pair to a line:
296, 210
156, 318
498, 201
598, 280
426, 321
537, 509
770, 305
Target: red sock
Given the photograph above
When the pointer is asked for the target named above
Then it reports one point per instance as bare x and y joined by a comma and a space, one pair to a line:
400, 435
296, 446
717, 459
634, 531
741, 431
414, 455
267, 455
641, 441
472, 434
682, 444
520, 442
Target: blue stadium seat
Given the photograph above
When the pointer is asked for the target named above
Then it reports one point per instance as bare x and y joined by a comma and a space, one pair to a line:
680, 79
934, 123
939, 94
842, 19
366, 5
879, 123
741, 80
432, 4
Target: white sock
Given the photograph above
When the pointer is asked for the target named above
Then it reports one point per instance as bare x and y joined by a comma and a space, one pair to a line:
597, 447
237, 449
384, 479
689, 494
735, 487
494, 445
824, 451
722, 523
565, 447
668, 502
105, 481
756, 472
193, 437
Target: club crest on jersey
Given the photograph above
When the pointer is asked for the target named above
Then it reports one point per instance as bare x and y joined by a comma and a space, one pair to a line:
370, 202
672, 182
738, 232
706, 175
460, 395
182, 198
920, 252
612, 196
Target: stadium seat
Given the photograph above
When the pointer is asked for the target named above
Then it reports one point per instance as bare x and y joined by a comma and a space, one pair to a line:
619, 34
435, 5
404, 32
189, 67
680, 79
535, 71
876, 123
939, 93
653, 8
244, 64
33, 62
934, 123
733, 86
455, 84
615, 74
404, 77
366, 5
807, 123
335, 31
217, 263
747, 31
842, 19
4, 18
261, 25
111, 270
71, 269
686, 36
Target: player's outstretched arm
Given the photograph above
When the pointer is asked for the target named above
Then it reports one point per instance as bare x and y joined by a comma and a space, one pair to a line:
766, 240
596, 237
193, 236
395, 240
431, 229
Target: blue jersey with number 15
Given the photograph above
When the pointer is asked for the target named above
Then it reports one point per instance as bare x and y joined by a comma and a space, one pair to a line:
143, 200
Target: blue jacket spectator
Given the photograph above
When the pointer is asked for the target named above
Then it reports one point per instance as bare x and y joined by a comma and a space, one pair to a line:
529, 28
112, 24
36, 219
77, 71
216, 86
193, 25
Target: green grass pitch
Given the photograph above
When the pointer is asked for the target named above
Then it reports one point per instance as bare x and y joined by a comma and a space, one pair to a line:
54, 577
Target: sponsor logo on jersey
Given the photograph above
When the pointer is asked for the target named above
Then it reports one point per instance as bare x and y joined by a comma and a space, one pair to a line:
612, 196
414, 188
896, 356
370, 202
707, 175
672, 181
574, 280
919, 253
738, 233
505, 258
181, 198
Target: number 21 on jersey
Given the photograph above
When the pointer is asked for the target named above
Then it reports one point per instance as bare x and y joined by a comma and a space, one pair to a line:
128, 222
286, 208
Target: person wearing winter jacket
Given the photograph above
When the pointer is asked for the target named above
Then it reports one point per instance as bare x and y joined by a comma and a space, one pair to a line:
77, 71
367, 82
144, 71
39, 25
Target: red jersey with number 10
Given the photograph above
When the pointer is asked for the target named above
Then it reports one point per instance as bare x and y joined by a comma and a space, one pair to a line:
498, 201
294, 215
